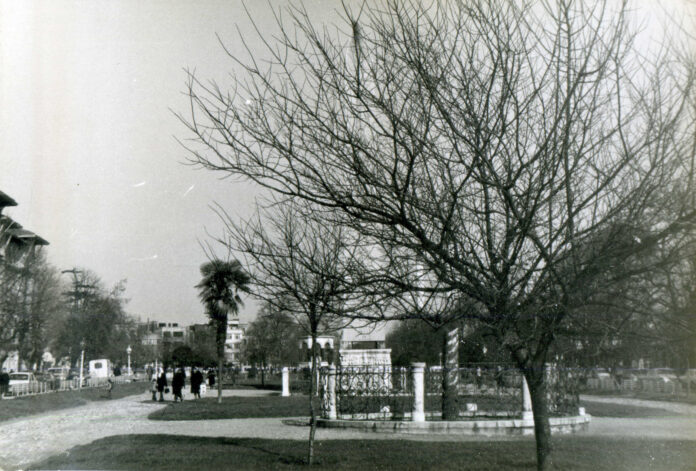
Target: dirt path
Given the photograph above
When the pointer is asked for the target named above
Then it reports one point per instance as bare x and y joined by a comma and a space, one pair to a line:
32, 439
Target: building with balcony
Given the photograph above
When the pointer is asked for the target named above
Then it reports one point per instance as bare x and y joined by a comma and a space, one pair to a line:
234, 341
17, 248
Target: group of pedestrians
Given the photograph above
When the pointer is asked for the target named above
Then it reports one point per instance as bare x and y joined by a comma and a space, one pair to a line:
160, 384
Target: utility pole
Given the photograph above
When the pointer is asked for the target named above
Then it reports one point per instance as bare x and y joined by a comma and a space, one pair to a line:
76, 295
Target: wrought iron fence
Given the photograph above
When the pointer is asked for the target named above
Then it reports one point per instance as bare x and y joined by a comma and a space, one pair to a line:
484, 390
562, 385
370, 392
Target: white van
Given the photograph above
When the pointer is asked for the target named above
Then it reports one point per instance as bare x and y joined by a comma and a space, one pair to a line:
100, 368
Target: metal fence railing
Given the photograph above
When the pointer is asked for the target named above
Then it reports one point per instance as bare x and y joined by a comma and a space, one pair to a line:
392, 393
650, 385
372, 392
55, 385
481, 390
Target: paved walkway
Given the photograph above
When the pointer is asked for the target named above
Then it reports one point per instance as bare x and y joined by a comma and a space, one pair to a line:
31, 439
678, 407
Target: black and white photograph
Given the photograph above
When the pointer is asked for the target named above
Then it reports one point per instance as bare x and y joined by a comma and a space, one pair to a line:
347, 235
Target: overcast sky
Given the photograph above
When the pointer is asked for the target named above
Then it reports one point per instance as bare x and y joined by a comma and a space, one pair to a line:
87, 143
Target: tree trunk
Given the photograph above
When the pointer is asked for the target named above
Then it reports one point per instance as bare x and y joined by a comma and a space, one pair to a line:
688, 377
536, 379
312, 414
221, 332
450, 375
219, 385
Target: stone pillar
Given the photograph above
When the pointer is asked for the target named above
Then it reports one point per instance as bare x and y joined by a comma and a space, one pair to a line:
286, 382
450, 376
418, 372
526, 401
331, 390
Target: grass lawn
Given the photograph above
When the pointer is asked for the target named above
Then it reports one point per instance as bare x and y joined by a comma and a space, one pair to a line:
167, 452
297, 406
233, 407
271, 383
30, 405
601, 409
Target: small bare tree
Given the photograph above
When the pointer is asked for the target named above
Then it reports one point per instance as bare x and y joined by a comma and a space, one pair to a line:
496, 144
302, 266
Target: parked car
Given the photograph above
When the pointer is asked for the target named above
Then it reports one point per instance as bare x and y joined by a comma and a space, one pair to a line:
599, 373
22, 381
48, 378
59, 373
666, 375
75, 375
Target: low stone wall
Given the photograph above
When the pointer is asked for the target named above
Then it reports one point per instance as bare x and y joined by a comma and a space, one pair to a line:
490, 427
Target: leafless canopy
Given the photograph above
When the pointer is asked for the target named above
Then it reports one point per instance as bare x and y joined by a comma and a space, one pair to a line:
485, 141
302, 265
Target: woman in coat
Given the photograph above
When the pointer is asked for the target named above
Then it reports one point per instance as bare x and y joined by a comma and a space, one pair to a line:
196, 381
178, 382
161, 384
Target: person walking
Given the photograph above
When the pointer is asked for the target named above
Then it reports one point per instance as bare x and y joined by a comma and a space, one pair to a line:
178, 383
153, 386
109, 386
161, 384
4, 383
196, 381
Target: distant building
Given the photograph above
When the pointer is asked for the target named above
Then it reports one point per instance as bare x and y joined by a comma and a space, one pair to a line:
358, 345
174, 333
17, 246
15, 242
11, 363
364, 345
155, 333
234, 341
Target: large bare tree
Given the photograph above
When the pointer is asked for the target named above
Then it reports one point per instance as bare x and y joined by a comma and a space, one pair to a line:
491, 148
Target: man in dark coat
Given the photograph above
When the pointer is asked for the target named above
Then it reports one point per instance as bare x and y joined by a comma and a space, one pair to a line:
178, 382
196, 381
4, 383
161, 384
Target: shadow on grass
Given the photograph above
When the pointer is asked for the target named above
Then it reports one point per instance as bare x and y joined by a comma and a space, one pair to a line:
167, 452
235, 407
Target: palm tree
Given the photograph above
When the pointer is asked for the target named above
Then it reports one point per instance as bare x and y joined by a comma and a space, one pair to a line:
219, 291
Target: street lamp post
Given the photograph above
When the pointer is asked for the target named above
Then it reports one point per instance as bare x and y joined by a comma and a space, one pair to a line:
82, 361
128, 351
